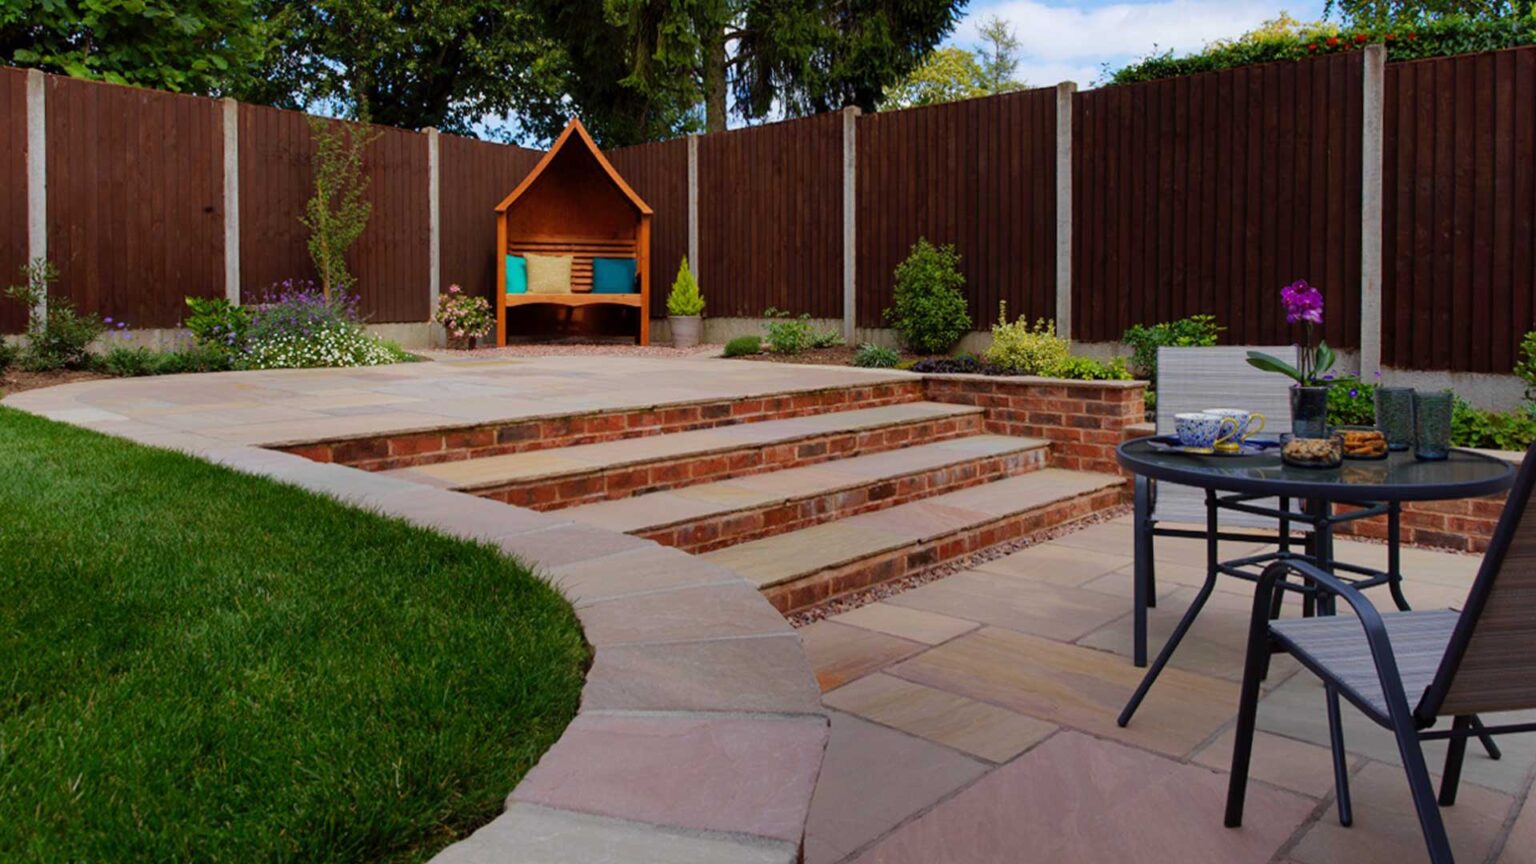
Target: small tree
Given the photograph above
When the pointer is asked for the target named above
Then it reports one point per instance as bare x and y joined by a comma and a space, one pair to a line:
337, 213
685, 299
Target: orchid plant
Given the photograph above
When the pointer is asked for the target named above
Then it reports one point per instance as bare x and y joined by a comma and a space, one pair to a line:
1304, 306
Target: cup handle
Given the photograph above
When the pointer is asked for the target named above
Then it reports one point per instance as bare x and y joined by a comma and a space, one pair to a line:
1252, 431
1222, 439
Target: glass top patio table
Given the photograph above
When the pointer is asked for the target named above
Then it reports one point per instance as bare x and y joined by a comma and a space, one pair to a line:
1399, 477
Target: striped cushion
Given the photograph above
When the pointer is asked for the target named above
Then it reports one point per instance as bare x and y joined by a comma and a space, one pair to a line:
1335, 647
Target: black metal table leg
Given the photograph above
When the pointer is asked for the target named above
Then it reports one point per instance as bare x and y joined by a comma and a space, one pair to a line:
1142, 550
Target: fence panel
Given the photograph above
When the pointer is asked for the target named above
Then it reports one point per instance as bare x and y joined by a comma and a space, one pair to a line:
390, 259
980, 174
475, 176
135, 199
13, 204
659, 174
1459, 202
1206, 194
770, 218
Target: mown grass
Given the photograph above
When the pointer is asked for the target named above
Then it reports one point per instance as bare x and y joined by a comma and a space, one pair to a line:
197, 664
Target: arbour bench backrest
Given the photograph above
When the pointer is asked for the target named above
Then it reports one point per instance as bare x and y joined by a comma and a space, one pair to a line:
581, 249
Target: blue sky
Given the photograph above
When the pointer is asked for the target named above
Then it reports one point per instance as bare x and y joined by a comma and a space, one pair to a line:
1071, 40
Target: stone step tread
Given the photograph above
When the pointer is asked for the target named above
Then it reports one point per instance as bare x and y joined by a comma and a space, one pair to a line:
797, 554
586, 458
660, 509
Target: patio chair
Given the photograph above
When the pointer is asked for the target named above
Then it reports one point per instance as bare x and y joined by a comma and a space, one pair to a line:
1407, 670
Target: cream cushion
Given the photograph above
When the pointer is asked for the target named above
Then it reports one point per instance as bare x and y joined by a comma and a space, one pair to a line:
549, 274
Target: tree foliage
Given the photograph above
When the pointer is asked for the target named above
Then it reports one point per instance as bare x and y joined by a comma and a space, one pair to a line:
951, 73
191, 46
338, 211
1379, 13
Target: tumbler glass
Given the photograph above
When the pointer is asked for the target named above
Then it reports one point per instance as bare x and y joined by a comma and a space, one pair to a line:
1394, 416
1432, 424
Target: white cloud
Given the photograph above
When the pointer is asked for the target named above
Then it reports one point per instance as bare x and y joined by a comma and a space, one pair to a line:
1060, 42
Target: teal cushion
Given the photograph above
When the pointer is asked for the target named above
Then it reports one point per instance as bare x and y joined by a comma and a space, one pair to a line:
613, 275
517, 275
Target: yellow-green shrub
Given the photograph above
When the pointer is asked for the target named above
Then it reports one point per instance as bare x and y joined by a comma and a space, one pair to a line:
1019, 349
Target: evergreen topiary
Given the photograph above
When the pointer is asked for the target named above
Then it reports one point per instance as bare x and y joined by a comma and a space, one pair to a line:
928, 309
685, 300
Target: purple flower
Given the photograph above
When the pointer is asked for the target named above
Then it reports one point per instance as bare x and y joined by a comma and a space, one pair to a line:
107, 320
1354, 392
1302, 303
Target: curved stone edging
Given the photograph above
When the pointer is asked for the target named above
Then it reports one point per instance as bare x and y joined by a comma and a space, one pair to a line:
700, 732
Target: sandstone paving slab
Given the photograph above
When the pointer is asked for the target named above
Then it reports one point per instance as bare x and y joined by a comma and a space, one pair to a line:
1121, 581
982, 730
840, 653
1215, 644
1285, 762
1079, 799
773, 560
1520, 846
1053, 562
1386, 831
729, 774
1075, 687
1296, 709
922, 520
566, 544
644, 570
527, 834
463, 515
762, 674
796, 482
1041, 608
937, 454
632, 515
709, 612
1026, 492
928, 628
873, 779
489, 470
1113, 538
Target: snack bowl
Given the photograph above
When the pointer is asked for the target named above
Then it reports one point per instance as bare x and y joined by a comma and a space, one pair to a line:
1312, 452
1363, 442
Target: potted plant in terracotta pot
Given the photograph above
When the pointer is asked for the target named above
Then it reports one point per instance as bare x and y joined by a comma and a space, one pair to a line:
463, 318
1309, 395
685, 306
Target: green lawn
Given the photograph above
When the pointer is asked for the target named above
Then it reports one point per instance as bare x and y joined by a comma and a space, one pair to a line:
196, 664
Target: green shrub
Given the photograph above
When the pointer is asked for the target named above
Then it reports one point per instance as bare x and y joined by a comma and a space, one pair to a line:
685, 300
1351, 403
61, 338
928, 309
1018, 349
1525, 367
741, 346
1494, 430
1198, 331
788, 335
826, 338
876, 356
218, 326
8, 352
1089, 369
135, 362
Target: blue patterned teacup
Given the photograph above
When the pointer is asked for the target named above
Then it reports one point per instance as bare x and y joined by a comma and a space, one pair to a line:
1203, 431
1249, 424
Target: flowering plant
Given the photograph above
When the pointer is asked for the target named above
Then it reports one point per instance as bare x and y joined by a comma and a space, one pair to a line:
463, 316
296, 326
1304, 306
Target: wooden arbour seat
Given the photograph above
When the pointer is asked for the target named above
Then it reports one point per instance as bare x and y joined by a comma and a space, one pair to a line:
573, 203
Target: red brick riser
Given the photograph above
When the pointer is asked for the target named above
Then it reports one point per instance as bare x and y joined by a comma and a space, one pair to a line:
627, 481
1464, 526
717, 532
386, 452
915, 560
1084, 422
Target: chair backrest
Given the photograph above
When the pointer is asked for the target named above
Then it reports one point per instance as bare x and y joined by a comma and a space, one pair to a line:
1194, 379
1490, 664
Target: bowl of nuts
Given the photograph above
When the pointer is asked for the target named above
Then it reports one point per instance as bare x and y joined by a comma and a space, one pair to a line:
1363, 442
1312, 452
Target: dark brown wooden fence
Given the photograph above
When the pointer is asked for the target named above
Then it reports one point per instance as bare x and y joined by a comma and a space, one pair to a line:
770, 218
13, 204
135, 199
475, 176
1459, 209
390, 259
659, 174
980, 174
1206, 194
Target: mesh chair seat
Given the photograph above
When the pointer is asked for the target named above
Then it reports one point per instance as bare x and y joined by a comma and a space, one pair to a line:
1334, 647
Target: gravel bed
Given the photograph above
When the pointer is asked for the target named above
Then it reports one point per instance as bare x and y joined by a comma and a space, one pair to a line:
875, 593
591, 349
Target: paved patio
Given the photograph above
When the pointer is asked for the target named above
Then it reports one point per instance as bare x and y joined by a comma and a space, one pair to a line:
973, 720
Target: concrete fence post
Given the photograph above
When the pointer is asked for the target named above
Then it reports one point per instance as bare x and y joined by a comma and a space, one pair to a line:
850, 222
1373, 145
693, 204
1064, 94
229, 117
434, 225
37, 176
